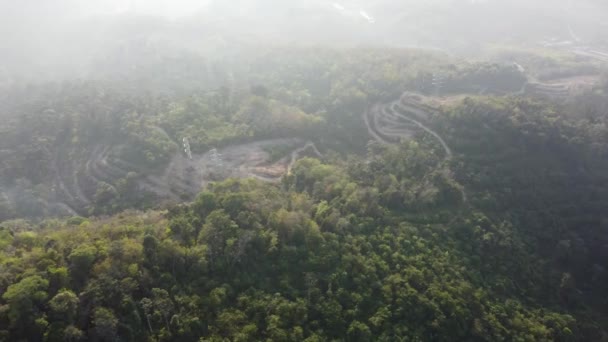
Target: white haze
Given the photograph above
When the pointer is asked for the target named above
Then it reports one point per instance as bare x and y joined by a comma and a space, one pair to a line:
58, 39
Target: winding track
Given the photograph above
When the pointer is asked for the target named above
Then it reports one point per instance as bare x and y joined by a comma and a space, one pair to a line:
184, 176
580, 49
400, 119
391, 122
532, 86
296, 153
371, 130
66, 208
419, 113
72, 202
385, 123
293, 158
558, 88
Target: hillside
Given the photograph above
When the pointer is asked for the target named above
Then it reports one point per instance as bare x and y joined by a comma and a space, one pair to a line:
323, 195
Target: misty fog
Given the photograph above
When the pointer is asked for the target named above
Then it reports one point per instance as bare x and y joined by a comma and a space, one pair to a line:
303, 170
59, 39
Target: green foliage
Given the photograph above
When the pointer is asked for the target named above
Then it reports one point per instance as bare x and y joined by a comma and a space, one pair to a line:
335, 253
105, 324
64, 305
490, 78
504, 241
88, 145
81, 260
24, 300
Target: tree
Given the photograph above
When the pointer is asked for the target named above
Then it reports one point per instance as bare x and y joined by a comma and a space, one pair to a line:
81, 261
359, 332
24, 300
105, 193
204, 204
104, 325
72, 334
217, 230
150, 245
64, 305
183, 230
163, 305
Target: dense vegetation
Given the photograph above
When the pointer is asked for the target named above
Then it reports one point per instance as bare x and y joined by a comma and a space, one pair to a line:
504, 241
54, 133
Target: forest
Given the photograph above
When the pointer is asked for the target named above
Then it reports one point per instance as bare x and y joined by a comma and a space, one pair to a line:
487, 225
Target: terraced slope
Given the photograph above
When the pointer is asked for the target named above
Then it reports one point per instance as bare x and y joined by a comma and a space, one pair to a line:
401, 119
79, 187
